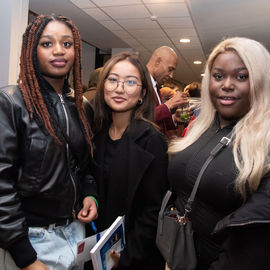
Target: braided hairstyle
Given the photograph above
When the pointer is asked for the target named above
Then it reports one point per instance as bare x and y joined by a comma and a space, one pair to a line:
31, 82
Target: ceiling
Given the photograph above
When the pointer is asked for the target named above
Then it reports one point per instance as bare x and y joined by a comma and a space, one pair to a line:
145, 25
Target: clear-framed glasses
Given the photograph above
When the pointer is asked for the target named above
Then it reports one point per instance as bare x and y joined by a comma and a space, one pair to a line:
128, 85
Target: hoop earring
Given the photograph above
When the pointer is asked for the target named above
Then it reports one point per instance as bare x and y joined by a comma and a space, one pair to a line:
140, 101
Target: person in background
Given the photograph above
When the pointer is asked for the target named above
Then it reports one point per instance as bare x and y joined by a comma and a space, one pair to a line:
161, 67
47, 189
90, 92
132, 159
193, 91
168, 90
231, 211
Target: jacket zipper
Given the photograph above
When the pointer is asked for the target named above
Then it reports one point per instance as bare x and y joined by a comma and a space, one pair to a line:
67, 148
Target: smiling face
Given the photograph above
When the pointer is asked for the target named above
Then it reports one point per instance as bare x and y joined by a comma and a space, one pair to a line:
229, 87
121, 99
55, 51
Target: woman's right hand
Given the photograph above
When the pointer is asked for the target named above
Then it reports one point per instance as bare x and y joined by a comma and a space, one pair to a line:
37, 265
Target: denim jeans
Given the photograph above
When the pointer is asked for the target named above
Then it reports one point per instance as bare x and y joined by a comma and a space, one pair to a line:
56, 247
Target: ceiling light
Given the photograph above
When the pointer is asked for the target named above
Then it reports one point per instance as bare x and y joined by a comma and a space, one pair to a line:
202, 74
153, 18
197, 62
185, 40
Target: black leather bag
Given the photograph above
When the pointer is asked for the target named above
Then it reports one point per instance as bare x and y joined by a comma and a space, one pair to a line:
174, 236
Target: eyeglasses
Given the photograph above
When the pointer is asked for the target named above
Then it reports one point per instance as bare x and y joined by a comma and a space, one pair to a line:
128, 85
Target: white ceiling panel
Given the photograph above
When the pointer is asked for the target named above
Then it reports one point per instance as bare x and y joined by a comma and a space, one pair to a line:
154, 41
111, 25
107, 3
127, 12
132, 42
169, 10
82, 3
122, 33
163, 1
96, 13
144, 23
171, 22
148, 33
181, 32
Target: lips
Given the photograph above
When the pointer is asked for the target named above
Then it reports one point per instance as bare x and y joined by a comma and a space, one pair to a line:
118, 99
227, 100
58, 62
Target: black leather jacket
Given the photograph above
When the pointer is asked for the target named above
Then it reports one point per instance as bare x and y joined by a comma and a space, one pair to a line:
41, 181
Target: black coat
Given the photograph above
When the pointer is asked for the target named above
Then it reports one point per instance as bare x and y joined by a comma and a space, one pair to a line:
140, 164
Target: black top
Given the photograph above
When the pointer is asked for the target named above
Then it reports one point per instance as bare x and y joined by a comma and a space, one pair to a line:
215, 197
134, 185
239, 226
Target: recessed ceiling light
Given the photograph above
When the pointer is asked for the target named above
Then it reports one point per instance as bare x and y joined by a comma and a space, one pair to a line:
197, 62
184, 40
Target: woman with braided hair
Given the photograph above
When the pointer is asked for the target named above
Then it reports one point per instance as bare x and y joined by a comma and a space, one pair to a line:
47, 191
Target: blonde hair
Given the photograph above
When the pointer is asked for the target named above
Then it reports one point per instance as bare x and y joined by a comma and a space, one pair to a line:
251, 134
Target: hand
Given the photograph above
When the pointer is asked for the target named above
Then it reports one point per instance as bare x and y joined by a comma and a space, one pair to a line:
116, 257
178, 100
177, 116
89, 210
37, 265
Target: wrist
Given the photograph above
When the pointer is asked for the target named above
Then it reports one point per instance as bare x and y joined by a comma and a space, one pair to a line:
96, 202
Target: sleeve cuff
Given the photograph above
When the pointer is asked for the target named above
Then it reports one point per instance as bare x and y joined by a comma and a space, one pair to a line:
22, 252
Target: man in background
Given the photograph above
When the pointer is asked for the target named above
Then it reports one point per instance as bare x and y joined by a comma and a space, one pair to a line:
161, 67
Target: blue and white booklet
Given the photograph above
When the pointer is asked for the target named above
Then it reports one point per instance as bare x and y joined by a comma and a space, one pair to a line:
112, 239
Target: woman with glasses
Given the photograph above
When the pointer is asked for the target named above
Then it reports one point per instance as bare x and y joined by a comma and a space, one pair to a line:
132, 159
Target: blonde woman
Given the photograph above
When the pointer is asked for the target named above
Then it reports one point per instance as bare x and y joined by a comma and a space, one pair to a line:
231, 212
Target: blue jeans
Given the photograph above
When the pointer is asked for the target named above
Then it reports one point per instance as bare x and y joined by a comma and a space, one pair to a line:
56, 247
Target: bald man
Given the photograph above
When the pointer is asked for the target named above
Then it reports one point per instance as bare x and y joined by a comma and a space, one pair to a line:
161, 67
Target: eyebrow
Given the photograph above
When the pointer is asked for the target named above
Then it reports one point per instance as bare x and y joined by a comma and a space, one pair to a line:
50, 36
129, 76
236, 69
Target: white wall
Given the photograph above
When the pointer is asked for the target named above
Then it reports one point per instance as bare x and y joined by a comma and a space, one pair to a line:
88, 61
13, 21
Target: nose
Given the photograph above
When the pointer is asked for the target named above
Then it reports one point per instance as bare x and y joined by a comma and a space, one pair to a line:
171, 74
120, 86
58, 49
228, 84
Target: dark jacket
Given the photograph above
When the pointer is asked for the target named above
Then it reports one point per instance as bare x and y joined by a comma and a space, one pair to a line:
138, 177
241, 237
41, 181
247, 233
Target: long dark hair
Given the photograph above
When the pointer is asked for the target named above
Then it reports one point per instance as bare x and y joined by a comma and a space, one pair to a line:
144, 111
31, 82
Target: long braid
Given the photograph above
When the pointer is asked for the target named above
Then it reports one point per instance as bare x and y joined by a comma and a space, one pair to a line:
77, 84
28, 82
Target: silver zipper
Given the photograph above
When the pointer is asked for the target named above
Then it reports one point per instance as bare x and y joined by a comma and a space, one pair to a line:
67, 148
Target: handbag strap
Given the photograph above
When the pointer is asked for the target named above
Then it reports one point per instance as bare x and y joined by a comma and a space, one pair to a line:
224, 142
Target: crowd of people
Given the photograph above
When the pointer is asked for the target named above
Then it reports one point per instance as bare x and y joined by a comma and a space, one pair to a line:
65, 161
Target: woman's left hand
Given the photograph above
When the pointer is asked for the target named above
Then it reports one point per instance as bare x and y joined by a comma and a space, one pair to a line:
89, 210
116, 257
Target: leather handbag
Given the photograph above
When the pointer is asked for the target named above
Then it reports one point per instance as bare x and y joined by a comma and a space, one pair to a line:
174, 236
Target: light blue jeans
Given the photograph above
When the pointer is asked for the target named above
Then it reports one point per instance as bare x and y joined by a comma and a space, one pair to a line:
56, 247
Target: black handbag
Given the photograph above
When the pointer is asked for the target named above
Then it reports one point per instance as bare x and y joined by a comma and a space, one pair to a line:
174, 236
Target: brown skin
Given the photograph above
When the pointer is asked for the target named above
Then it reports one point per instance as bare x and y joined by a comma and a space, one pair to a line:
55, 52
229, 87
